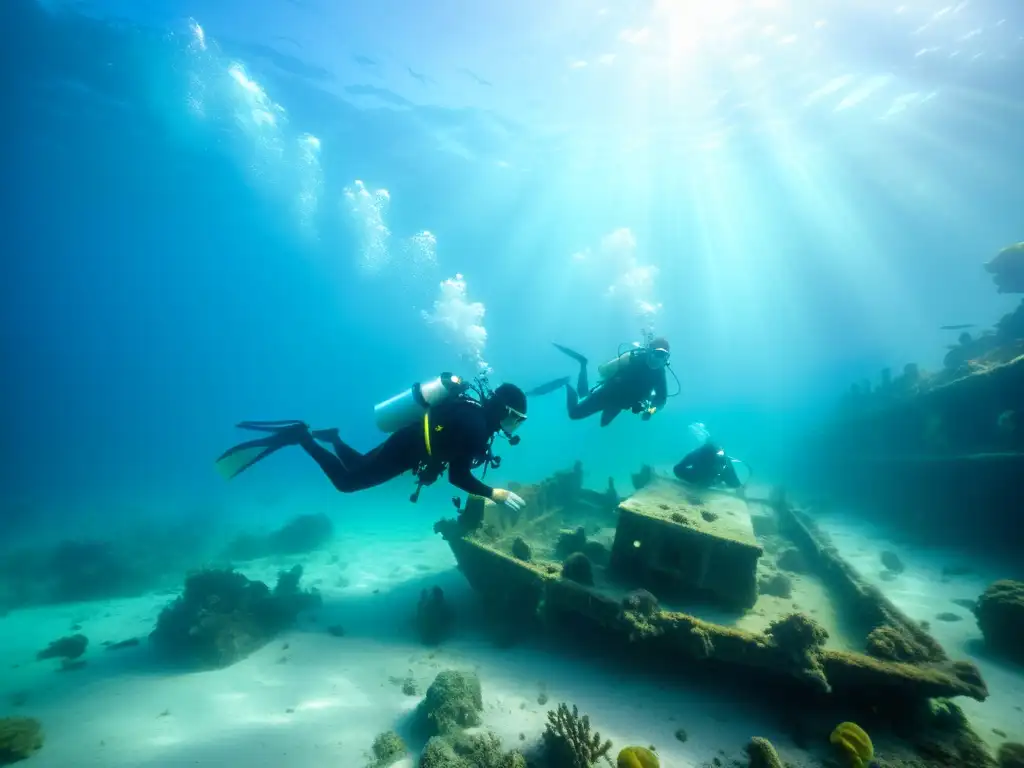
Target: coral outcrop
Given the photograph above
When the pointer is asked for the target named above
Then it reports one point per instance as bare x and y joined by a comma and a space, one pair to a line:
20, 738
222, 616
1007, 269
388, 748
800, 640
454, 701
762, 754
1000, 613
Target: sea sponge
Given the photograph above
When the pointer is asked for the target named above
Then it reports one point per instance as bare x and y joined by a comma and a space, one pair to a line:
854, 744
568, 742
637, 757
453, 701
20, 738
762, 754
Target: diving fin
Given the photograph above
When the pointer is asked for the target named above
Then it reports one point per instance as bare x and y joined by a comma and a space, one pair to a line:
571, 353
551, 386
236, 460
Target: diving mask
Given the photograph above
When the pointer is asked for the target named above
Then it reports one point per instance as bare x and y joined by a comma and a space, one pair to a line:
512, 419
657, 357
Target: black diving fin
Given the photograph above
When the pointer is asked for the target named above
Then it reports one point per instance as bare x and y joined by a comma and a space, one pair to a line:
236, 460
551, 386
571, 353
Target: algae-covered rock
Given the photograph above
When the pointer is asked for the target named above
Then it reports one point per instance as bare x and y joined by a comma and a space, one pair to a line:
1000, 615
801, 640
20, 738
1007, 269
68, 648
388, 749
453, 701
762, 754
222, 616
481, 750
776, 585
578, 568
898, 644
438, 753
1011, 755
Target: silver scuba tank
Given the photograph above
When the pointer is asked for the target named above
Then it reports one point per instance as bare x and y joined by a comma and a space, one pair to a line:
409, 406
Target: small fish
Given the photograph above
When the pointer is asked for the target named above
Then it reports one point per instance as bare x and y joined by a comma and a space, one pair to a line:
955, 327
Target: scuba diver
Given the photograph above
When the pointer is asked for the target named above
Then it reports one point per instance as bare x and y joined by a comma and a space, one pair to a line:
635, 380
708, 466
435, 425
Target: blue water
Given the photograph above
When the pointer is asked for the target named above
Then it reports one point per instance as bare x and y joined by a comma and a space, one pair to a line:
219, 211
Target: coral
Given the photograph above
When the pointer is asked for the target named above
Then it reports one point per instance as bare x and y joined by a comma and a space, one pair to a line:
388, 748
637, 757
578, 568
762, 754
777, 585
568, 742
453, 701
304, 533
521, 550
801, 640
853, 744
1000, 615
1007, 269
20, 738
70, 647
222, 617
434, 617
1010, 755
438, 753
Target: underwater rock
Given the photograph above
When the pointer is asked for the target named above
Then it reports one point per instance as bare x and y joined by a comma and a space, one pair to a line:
1007, 269
434, 617
578, 568
20, 738
963, 602
948, 616
777, 585
222, 617
1000, 615
65, 648
453, 701
122, 644
571, 542
641, 602
1010, 755
568, 742
521, 550
388, 748
762, 754
792, 560
302, 534
891, 562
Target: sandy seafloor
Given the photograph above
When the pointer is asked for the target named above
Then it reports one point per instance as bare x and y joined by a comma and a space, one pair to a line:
314, 699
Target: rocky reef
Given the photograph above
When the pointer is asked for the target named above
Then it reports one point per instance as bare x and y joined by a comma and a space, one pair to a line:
20, 738
1000, 612
222, 616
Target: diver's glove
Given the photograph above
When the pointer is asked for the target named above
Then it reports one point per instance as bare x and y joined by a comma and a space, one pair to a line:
509, 499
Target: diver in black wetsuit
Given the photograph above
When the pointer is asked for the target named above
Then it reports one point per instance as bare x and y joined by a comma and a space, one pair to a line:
634, 380
706, 467
445, 428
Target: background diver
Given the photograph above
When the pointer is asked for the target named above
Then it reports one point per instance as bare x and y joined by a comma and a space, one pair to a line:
433, 425
634, 380
708, 466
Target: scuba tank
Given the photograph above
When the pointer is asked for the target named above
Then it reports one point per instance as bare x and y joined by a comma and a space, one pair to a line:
609, 369
406, 407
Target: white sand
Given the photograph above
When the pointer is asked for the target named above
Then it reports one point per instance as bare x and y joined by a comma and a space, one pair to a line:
321, 700
923, 592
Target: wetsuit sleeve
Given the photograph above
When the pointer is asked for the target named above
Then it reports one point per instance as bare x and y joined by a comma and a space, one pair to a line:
660, 396
469, 439
460, 475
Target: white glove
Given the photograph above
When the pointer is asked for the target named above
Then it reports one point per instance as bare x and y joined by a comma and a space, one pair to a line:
509, 499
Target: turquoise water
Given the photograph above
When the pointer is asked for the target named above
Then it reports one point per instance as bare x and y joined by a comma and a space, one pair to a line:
225, 211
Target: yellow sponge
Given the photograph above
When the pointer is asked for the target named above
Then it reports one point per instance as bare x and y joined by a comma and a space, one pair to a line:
856, 745
637, 757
